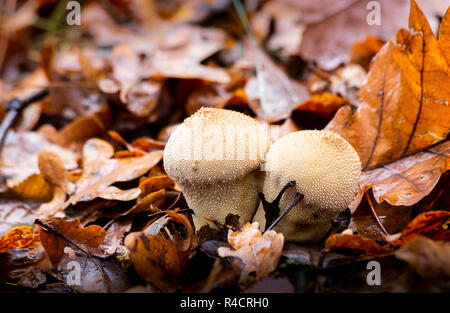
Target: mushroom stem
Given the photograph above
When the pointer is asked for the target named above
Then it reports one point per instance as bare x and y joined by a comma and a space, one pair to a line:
272, 209
297, 198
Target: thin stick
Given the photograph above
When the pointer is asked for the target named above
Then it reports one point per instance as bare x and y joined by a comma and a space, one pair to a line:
58, 234
15, 106
375, 214
297, 198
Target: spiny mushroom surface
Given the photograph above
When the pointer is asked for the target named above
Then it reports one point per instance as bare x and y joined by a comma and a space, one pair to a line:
326, 169
215, 157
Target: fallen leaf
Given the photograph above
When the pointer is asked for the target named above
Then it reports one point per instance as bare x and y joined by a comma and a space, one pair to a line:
429, 258
69, 233
364, 50
320, 42
259, 252
100, 171
324, 103
155, 258
403, 103
20, 237
408, 180
433, 224
20, 156
272, 95
355, 242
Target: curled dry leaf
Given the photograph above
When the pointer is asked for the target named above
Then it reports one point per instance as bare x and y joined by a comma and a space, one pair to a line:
404, 102
403, 110
433, 224
408, 180
259, 252
155, 183
67, 233
363, 245
155, 258
20, 237
326, 18
275, 97
100, 171
429, 258
324, 103
20, 156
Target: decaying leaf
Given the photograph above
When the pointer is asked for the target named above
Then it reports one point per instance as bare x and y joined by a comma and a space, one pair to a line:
155, 258
100, 171
429, 258
404, 105
326, 18
61, 233
20, 237
20, 156
259, 252
433, 224
272, 95
403, 110
408, 180
355, 242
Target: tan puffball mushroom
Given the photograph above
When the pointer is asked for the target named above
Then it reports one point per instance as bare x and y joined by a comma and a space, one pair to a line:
326, 170
215, 157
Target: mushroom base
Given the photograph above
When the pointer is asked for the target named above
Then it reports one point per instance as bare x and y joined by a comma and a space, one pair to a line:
223, 198
304, 223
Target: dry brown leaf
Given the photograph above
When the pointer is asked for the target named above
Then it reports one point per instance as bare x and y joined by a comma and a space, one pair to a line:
20, 156
363, 51
100, 171
355, 242
155, 183
155, 258
275, 97
433, 224
326, 18
20, 237
429, 258
408, 180
87, 238
324, 103
286, 31
259, 252
404, 103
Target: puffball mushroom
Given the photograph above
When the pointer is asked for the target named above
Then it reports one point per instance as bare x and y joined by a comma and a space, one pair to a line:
326, 171
215, 157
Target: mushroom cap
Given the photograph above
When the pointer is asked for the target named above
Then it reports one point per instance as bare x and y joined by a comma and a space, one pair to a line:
215, 145
326, 169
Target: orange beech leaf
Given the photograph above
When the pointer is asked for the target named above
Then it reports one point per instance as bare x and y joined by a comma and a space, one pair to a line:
147, 144
408, 180
367, 246
89, 238
155, 183
156, 259
364, 50
20, 237
433, 224
324, 103
404, 102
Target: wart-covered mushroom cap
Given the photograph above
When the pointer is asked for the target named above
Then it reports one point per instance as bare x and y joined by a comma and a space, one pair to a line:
215, 157
326, 170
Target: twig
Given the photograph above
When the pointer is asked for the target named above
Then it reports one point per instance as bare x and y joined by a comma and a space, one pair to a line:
272, 209
15, 106
297, 198
375, 213
54, 231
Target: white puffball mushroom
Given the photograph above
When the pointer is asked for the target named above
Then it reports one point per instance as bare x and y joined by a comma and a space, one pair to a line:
215, 157
326, 170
